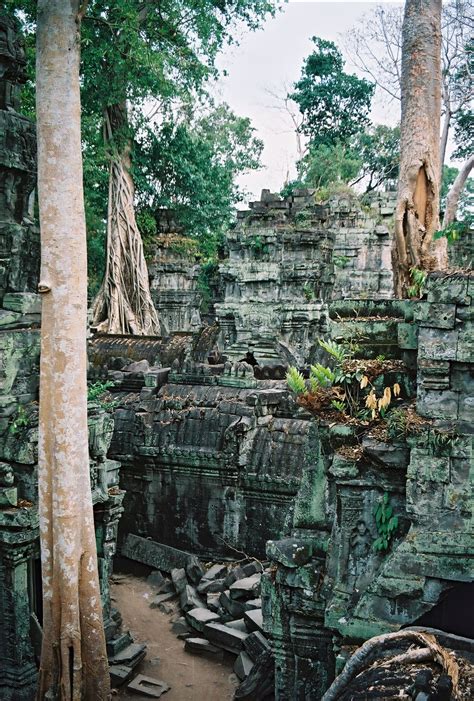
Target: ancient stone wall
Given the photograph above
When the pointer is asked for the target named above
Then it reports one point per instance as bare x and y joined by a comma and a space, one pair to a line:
332, 588
174, 273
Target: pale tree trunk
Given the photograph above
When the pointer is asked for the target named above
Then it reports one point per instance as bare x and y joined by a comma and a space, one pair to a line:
417, 212
444, 143
73, 657
454, 193
123, 303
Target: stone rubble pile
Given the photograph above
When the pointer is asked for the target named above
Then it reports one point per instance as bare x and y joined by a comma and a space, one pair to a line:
219, 610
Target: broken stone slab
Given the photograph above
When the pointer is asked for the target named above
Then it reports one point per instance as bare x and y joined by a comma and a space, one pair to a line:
201, 646
243, 665
155, 578
179, 579
233, 576
180, 628
189, 599
259, 683
195, 571
249, 587
227, 638
139, 366
130, 656
212, 586
198, 617
235, 608
252, 568
156, 555
119, 674
254, 620
238, 624
255, 644
252, 604
148, 686
216, 572
160, 599
212, 601
119, 643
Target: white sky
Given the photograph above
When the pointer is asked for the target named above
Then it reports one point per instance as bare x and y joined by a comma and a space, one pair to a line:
271, 58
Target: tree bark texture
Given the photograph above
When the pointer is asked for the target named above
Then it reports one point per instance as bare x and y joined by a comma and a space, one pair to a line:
123, 303
452, 200
417, 213
73, 658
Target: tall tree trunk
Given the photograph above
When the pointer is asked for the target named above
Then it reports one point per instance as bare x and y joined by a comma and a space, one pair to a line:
417, 212
454, 193
73, 658
444, 142
123, 303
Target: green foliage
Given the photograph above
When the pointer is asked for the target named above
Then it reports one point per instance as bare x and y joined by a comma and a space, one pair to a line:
378, 151
206, 279
295, 381
386, 523
257, 244
418, 279
308, 292
464, 117
336, 350
96, 390
339, 406
156, 56
325, 164
334, 104
19, 421
321, 376
340, 261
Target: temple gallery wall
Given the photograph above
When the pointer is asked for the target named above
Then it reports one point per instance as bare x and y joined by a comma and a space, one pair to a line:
199, 449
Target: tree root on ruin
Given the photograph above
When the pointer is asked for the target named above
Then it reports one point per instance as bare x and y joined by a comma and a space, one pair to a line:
123, 303
373, 648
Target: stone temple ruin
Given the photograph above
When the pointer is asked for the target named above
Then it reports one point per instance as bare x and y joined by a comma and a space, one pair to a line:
199, 455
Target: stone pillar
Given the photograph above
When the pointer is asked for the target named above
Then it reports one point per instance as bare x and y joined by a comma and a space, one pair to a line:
18, 545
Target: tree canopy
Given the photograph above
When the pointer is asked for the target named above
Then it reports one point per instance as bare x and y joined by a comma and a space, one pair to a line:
335, 105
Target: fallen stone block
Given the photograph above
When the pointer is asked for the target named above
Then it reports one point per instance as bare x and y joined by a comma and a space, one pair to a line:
252, 568
254, 620
156, 555
189, 599
180, 627
235, 608
198, 617
148, 686
233, 576
155, 578
130, 656
243, 665
195, 571
260, 682
252, 604
179, 579
119, 643
224, 637
160, 599
201, 646
212, 601
246, 588
238, 624
212, 586
255, 644
119, 674
216, 572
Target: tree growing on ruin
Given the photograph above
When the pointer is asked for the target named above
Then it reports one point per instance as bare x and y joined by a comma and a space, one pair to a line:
417, 211
375, 46
73, 659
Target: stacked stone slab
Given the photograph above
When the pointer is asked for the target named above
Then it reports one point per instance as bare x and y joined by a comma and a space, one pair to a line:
174, 275
277, 274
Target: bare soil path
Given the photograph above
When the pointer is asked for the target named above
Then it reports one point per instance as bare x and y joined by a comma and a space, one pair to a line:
190, 677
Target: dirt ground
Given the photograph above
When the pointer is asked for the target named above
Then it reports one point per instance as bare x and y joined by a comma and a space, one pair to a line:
190, 677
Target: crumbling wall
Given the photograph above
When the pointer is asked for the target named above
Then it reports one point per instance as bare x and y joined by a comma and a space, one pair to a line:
332, 588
